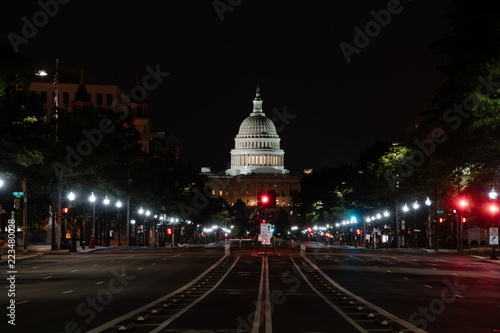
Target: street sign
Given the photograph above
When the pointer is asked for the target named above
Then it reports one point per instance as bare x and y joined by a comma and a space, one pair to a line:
266, 240
265, 230
18, 194
493, 236
440, 211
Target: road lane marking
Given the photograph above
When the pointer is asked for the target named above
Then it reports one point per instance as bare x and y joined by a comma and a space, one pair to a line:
153, 264
22, 302
176, 255
388, 271
459, 296
95, 265
67, 292
47, 277
140, 268
427, 286
36, 267
358, 259
100, 282
75, 270
336, 308
159, 300
404, 277
383, 312
434, 269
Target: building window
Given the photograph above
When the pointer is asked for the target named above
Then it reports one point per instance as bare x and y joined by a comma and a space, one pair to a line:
99, 99
65, 97
109, 99
43, 96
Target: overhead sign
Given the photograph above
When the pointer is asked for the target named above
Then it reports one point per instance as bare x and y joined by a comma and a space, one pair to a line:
18, 194
440, 211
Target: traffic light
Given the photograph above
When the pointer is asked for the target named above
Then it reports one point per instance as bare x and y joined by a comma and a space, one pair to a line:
169, 231
65, 211
464, 220
358, 231
441, 220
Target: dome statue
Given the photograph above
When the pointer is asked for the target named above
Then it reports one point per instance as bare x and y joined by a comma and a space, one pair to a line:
257, 145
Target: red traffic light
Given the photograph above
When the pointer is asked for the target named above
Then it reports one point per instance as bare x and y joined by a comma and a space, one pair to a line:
464, 220
265, 199
441, 220
65, 210
169, 231
494, 208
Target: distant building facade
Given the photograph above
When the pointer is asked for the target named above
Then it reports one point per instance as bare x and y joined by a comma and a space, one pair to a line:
75, 95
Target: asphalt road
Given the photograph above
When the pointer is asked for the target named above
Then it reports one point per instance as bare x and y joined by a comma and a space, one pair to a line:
334, 289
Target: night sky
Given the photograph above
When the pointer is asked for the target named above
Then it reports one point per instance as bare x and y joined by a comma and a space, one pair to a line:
335, 109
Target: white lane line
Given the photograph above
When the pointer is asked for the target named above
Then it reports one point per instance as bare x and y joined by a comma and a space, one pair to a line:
385, 313
67, 292
75, 270
336, 308
100, 282
258, 307
434, 269
36, 267
454, 274
95, 265
22, 302
47, 277
155, 303
388, 271
164, 259
153, 264
404, 277
408, 261
358, 259
459, 296
140, 268
427, 286
176, 255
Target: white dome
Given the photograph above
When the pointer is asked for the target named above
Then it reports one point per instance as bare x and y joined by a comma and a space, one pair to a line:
257, 145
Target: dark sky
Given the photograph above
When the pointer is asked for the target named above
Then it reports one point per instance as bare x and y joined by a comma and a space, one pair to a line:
290, 48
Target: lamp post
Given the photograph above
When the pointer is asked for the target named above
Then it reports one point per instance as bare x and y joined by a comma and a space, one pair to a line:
92, 199
154, 225
494, 210
429, 242
141, 211
414, 234
405, 209
147, 213
118, 205
71, 197
106, 222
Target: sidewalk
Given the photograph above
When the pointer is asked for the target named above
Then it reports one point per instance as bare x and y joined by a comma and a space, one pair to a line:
37, 251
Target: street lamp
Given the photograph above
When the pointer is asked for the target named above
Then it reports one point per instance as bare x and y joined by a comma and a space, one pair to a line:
147, 213
141, 211
494, 210
106, 223
414, 234
92, 223
118, 205
428, 204
71, 197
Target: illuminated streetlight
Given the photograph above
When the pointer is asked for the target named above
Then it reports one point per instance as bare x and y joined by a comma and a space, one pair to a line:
428, 204
71, 197
118, 206
94, 230
494, 210
106, 223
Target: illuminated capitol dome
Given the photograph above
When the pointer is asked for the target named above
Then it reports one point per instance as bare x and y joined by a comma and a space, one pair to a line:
257, 145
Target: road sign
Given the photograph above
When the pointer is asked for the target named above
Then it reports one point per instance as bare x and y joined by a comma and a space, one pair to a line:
18, 194
265, 230
440, 211
493, 236
266, 240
